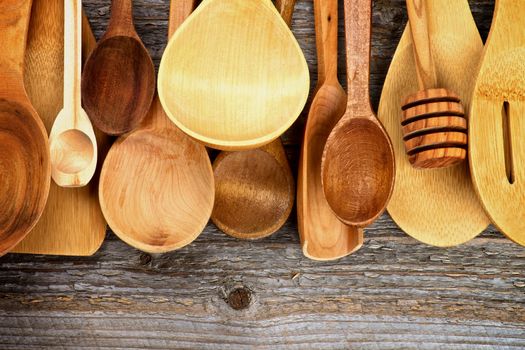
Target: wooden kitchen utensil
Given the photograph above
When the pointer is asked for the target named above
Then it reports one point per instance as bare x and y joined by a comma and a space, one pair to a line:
118, 83
233, 76
358, 161
72, 223
496, 131
72, 139
438, 206
323, 236
24, 150
434, 122
156, 187
254, 189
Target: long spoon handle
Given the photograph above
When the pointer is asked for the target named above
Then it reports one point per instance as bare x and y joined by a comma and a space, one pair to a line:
418, 19
179, 11
121, 20
358, 20
72, 56
325, 12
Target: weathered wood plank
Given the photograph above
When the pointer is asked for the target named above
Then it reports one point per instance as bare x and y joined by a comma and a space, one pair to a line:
393, 294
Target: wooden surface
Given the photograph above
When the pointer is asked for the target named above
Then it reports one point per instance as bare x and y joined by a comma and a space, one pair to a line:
395, 293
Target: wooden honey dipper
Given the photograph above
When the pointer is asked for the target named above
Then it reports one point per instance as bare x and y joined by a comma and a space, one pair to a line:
434, 122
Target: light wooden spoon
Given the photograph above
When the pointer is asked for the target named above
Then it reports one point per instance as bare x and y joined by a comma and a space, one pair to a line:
72, 138
358, 160
497, 125
24, 149
233, 76
323, 235
156, 185
118, 83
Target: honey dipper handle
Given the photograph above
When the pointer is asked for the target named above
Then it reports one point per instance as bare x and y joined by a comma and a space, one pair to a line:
325, 12
418, 19
358, 23
179, 11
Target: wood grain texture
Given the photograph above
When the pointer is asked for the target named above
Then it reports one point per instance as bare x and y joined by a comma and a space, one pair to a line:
394, 293
233, 76
72, 223
439, 206
497, 153
24, 149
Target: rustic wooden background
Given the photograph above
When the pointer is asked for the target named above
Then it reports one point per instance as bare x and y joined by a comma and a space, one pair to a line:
220, 293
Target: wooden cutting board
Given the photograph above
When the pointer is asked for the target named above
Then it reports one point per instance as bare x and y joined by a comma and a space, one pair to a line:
497, 126
439, 206
72, 222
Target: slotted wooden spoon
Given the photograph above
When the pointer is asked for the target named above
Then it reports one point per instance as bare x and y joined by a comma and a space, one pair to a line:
156, 188
25, 170
323, 235
438, 206
233, 76
497, 125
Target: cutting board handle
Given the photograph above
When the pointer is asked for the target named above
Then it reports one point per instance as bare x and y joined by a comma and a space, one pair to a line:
326, 19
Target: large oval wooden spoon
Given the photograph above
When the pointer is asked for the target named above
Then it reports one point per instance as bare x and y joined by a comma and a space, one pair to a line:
233, 76
323, 235
156, 187
118, 82
358, 160
72, 138
24, 150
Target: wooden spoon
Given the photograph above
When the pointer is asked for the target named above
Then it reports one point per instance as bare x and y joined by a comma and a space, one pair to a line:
24, 150
118, 82
358, 160
156, 188
437, 206
497, 127
233, 76
72, 139
323, 236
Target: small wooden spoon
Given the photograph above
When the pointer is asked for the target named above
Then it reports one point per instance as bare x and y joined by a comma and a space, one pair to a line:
358, 160
118, 83
156, 185
24, 150
72, 138
323, 236
233, 76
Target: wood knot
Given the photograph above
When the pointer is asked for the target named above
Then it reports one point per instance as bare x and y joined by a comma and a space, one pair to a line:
239, 298
145, 259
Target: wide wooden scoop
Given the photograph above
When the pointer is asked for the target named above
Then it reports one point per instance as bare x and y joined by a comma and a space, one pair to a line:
118, 82
25, 170
323, 235
438, 206
156, 188
233, 76
497, 124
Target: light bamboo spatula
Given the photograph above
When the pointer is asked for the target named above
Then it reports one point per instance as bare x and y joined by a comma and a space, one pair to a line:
497, 124
438, 206
323, 235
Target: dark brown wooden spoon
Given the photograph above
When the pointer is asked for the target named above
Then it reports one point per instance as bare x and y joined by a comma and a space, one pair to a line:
358, 160
118, 82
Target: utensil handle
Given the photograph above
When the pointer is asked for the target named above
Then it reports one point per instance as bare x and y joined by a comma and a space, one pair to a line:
418, 19
121, 20
358, 23
179, 11
72, 55
325, 13
14, 24
286, 8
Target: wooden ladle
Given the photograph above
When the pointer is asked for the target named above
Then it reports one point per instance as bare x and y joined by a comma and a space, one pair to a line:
72, 138
24, 150
118, 83
358, 160
233, 76
156, 187
323, 235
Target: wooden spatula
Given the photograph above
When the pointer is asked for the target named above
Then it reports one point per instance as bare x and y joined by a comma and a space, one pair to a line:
497, 124
439, 206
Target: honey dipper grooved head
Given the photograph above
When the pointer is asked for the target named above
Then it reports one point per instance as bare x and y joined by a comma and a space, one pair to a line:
434, 129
